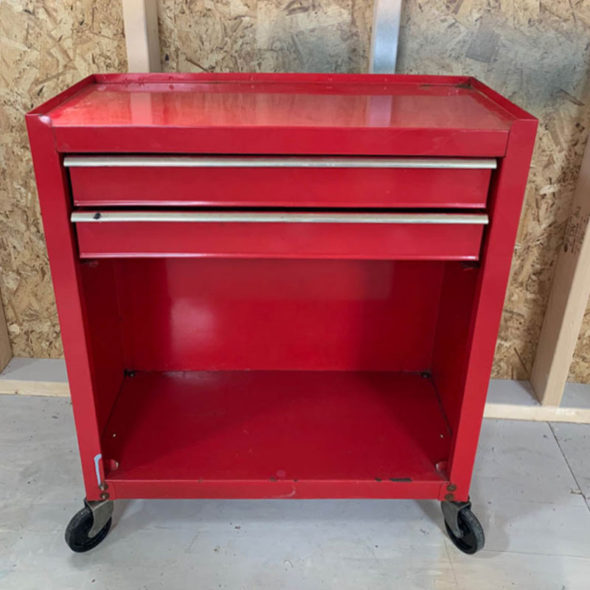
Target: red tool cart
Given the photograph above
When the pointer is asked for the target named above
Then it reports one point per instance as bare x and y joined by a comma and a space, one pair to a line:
279, 285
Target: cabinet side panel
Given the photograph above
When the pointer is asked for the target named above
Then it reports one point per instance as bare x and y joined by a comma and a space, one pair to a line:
505, 204
104, 333
453, 330
55, 209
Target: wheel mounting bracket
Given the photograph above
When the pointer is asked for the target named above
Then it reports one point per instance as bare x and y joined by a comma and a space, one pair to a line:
451, 515
101, 510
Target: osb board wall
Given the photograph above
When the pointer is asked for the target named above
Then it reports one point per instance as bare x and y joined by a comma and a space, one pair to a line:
536, 53
44, 47
265, 35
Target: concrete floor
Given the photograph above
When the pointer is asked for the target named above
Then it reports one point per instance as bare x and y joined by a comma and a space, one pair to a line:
531, 491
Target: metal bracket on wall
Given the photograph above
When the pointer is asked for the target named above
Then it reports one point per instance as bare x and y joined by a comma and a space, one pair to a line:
385, 36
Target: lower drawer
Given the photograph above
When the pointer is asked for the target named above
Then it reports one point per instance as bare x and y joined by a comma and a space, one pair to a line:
400, 236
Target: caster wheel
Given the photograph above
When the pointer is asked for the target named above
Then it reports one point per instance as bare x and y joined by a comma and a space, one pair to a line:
472, 537
78, 529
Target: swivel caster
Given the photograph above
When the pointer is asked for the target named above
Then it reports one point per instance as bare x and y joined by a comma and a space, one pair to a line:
89, 526
463, 527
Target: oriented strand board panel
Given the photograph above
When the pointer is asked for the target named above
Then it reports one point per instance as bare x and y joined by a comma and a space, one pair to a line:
44, 47
265, 35
535, 52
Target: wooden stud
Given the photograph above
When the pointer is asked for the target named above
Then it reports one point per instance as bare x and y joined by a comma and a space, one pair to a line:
5, 349
42, 388
568, 299
537, 413
141, 35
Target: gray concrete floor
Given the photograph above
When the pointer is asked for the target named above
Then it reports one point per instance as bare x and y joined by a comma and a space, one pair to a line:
531, 491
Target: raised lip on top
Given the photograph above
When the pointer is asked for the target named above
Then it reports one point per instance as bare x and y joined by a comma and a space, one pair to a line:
515, 111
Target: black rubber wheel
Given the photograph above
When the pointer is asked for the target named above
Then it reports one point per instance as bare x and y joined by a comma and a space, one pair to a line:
473, 538
78, 528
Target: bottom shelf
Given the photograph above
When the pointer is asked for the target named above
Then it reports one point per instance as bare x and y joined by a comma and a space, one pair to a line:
271, 434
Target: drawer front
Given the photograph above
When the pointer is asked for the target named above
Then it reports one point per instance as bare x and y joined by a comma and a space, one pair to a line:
278, 181
279, 235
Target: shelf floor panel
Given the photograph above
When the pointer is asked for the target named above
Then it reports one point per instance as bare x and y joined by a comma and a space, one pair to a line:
267, 426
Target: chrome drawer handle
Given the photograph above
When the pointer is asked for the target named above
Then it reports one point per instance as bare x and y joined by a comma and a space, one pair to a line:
254, 217
275, 162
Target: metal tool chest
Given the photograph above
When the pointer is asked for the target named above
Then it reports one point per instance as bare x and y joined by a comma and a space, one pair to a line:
279, 285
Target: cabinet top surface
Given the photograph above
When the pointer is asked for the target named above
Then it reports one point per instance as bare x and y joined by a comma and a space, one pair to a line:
291, 103
281, 101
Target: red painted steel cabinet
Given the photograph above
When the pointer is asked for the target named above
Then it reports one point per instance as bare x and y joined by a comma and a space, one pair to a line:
279, 286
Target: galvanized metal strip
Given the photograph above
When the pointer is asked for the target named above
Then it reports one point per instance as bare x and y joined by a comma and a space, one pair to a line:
273, 162
385, 36
294, 217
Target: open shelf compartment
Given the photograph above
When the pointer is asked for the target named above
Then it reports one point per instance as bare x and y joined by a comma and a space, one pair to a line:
278, 378
327, 433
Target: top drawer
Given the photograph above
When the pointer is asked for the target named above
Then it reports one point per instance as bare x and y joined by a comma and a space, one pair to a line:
274, 181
